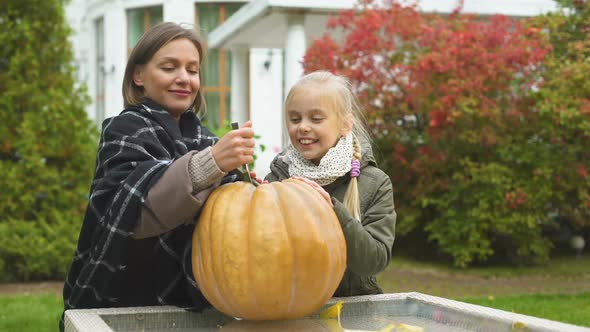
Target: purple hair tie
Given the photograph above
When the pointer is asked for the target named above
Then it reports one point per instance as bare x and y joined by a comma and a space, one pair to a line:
355, 169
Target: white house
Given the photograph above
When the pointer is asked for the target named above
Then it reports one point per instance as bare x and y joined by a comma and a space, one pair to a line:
256, 50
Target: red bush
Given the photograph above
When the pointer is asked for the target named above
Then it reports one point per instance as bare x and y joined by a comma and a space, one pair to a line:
452, 103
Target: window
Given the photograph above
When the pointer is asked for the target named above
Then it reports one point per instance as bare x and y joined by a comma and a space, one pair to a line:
217, 66
100, 71
140, 20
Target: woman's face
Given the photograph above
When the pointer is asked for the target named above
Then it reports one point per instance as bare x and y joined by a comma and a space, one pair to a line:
171, 77
313, 124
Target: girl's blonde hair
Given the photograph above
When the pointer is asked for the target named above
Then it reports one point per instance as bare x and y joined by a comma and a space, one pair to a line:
152, 41
338, 93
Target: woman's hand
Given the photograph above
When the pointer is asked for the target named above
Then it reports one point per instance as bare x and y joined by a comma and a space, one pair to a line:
235, 148
317, 187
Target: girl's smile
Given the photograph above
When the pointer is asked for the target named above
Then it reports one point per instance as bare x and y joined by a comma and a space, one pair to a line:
313, 124
307, 141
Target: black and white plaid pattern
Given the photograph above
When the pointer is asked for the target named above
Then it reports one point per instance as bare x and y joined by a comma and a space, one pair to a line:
135, 149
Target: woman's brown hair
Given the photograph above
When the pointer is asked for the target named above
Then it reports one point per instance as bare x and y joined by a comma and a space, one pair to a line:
151, 41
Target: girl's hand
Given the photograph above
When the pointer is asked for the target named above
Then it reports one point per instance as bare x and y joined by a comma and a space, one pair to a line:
235, 148
253, 176
317, 187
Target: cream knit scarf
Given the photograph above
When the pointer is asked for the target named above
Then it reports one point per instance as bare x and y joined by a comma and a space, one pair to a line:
334, 164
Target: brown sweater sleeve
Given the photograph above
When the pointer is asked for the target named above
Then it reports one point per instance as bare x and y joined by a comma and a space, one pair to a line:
177, 196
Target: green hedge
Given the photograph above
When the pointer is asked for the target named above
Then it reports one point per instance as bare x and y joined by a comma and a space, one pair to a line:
47, 142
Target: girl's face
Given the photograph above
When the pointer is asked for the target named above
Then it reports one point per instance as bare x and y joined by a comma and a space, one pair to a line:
171, 77
313, 124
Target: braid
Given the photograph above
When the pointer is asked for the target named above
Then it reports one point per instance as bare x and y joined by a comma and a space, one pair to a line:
357, 149
342, 99
351, 197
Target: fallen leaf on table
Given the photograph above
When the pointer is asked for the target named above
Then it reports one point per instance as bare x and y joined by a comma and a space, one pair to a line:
332, 311
330, 318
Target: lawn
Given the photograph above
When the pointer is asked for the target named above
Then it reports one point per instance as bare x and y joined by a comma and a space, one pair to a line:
558, 291
38, 312
565, 275
565, 266
568, 308
41, 312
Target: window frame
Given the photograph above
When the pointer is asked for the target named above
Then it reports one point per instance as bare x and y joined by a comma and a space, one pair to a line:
223, 87
147, 24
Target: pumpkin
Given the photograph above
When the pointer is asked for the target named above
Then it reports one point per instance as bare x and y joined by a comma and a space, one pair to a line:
275, 251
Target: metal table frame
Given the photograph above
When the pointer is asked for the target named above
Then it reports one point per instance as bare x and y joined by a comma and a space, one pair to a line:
170, 317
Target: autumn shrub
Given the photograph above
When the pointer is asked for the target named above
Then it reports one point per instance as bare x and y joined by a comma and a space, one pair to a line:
563, 100
451, 102
47, 142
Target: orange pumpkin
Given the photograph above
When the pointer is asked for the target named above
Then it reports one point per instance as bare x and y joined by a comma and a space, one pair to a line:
275, 251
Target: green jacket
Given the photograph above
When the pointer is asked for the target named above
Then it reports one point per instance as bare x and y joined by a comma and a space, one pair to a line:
369, 242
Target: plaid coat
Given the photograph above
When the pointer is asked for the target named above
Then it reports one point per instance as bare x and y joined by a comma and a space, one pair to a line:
135, 149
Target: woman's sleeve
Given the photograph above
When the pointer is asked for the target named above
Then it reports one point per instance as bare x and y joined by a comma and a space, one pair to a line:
369, 243
179, 194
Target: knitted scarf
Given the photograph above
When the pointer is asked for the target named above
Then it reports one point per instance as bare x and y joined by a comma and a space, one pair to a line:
334, 164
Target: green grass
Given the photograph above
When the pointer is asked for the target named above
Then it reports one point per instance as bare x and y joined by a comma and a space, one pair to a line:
572, 309
40, 312
559, 266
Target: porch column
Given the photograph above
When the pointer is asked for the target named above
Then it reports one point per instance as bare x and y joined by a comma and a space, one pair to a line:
239, 110
179, 11
294, 50
115, 58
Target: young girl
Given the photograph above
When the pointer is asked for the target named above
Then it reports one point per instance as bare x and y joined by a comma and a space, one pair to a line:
330, 149
155, 167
